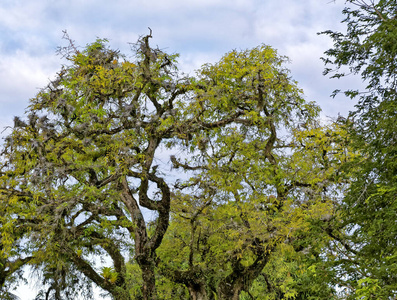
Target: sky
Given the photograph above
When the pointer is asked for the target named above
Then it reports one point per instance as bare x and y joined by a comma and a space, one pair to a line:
201, 31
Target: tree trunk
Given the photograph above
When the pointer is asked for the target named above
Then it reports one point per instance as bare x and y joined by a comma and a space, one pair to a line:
193, 279
197, 292
241, 277
121, 293
229, 291
149, 280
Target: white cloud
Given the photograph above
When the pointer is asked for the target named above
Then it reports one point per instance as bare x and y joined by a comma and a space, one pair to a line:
21, 77
21, 15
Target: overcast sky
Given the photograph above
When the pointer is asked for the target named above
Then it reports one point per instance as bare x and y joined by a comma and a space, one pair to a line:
200, 30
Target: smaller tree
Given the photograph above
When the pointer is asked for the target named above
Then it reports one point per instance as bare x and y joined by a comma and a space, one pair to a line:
367, 255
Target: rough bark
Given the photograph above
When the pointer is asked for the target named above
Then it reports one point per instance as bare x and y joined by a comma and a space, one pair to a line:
241, 277
147, 265
197, 292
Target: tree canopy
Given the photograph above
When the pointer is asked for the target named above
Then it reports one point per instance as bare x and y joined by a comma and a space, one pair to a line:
233, 157
150, 183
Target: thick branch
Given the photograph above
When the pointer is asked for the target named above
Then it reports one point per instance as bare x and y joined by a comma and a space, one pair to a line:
90, 273
176, 164
140, 227
221, 123
113, 251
